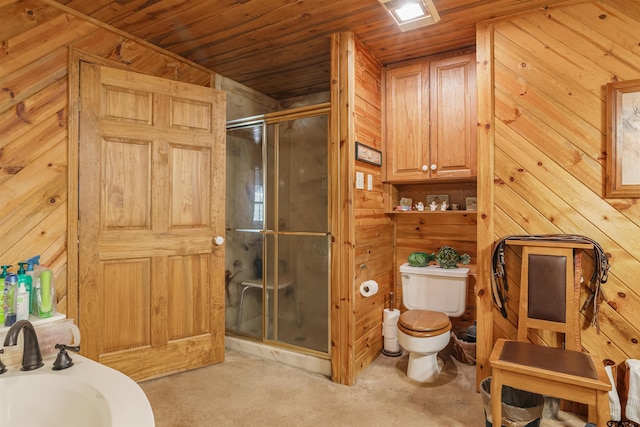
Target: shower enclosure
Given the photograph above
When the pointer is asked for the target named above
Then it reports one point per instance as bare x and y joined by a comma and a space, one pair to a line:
277, 250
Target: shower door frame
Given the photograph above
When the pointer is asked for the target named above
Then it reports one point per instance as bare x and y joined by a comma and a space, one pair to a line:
323, 109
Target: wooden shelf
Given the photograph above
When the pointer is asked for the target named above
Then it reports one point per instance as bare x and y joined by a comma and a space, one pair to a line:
450, 212
457, 192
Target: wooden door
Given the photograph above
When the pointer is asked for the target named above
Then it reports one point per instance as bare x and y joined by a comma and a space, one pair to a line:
453, 117
408, 123
151, 201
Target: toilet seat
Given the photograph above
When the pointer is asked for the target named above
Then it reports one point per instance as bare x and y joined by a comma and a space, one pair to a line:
424, 323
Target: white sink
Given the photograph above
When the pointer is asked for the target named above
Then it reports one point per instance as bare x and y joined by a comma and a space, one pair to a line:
88, 394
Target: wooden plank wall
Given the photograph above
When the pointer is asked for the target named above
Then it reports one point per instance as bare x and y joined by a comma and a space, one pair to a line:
428, 231
363, 246
35, 38
549, 71
374, 230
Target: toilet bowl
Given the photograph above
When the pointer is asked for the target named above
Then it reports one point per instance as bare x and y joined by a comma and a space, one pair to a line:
432, 295
423, 333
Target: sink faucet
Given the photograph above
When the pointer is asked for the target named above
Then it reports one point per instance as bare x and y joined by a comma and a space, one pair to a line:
31, 355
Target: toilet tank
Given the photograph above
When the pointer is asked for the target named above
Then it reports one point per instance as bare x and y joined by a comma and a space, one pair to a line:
435, 288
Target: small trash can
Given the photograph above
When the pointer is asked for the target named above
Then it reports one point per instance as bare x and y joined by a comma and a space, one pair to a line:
519, 408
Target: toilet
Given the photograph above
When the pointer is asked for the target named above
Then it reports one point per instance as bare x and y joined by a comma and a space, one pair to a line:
431, 295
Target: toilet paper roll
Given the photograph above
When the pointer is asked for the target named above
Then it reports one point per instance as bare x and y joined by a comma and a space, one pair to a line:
389, 330
390, 317
368, 288
390, 322
391, 345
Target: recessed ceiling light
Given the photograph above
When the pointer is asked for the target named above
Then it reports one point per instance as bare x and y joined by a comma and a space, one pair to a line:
411, 14
410, 11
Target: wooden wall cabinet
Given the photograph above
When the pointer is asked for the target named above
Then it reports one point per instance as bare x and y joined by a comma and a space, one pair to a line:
431, 120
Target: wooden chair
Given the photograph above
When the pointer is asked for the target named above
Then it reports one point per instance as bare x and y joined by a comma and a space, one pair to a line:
549, 301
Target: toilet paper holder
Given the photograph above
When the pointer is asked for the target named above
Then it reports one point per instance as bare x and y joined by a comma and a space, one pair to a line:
368, 288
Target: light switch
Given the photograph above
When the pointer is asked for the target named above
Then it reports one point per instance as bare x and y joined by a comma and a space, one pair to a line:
369, 182
359, 180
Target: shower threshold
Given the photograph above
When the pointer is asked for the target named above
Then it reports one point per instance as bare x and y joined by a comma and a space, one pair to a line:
307, 362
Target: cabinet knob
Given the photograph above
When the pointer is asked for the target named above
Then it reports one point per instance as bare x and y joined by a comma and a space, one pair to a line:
218, 240
433, 167
425, 168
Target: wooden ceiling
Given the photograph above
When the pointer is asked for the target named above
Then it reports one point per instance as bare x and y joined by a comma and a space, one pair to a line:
281, 47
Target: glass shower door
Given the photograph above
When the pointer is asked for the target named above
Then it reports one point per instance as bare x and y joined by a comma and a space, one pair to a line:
277, 235
245, 216
297, 249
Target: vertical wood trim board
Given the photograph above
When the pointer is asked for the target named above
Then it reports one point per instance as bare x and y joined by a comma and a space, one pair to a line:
485, 233
342, 316
337, 357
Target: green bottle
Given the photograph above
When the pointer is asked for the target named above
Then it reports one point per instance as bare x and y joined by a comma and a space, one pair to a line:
46, 300
5, 269
10, 299
25, 278
35, 284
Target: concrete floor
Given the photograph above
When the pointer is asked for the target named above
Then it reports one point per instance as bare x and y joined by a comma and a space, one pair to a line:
246, 390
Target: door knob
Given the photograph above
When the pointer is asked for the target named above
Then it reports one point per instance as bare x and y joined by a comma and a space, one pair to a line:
218, 240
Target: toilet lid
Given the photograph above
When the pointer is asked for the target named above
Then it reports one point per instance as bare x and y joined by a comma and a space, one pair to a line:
424, 320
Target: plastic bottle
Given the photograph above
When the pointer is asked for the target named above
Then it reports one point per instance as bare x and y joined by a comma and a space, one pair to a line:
10, 299
62, 331
22, 302
35, 284
45, 297
4, 273
23, 277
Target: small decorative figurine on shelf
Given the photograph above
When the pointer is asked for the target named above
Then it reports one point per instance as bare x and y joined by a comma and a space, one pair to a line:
444, 205
420, 206
433, 206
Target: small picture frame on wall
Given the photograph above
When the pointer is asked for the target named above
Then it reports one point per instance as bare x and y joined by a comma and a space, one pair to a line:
623, 140
367, 154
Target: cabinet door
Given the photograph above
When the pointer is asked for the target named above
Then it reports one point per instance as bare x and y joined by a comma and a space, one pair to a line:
407, 122
453, 117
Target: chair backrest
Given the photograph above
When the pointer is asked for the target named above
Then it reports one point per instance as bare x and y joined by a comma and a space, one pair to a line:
550, 291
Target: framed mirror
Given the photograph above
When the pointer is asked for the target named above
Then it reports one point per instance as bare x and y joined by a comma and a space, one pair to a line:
623, 140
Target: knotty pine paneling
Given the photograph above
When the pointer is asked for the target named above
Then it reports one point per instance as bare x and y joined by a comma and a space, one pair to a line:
374, 231
549, 71
427, 232
35, 38
280, 47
